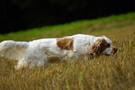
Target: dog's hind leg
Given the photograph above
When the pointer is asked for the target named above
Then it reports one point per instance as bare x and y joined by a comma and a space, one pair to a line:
21, 64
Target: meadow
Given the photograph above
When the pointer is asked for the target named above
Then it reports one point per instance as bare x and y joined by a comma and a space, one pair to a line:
103, 73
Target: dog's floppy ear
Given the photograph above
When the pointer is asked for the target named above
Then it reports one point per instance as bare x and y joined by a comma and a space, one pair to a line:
97, 46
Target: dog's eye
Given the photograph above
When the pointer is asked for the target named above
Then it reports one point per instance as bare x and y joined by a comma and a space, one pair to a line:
108, 45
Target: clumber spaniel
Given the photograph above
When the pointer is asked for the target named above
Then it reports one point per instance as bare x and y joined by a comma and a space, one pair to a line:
40, 52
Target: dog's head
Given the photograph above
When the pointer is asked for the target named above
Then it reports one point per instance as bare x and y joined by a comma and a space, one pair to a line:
102, 45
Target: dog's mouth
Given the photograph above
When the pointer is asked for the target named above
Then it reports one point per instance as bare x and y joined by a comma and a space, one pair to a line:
112, 54
108, 54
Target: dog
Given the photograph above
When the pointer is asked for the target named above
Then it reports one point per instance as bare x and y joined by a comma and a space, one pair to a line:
37, 53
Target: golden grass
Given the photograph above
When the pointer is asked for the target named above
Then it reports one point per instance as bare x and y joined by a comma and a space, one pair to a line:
104, 73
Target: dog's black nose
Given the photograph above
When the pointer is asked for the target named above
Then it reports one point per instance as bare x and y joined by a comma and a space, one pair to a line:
115, 49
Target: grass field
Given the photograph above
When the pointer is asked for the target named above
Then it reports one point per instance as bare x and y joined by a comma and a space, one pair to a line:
103, 73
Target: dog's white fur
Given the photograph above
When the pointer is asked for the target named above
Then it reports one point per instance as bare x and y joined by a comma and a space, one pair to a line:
40, 52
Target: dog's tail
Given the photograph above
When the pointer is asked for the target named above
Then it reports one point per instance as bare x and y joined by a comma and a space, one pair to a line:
13, 50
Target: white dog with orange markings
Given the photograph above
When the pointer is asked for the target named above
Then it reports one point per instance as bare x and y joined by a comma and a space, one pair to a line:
40, 52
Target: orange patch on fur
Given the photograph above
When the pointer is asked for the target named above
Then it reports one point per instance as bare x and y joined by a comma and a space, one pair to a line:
99, 46
65, 43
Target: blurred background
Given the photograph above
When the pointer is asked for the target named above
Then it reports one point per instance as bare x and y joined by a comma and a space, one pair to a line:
18, 15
